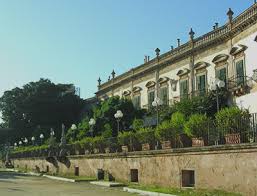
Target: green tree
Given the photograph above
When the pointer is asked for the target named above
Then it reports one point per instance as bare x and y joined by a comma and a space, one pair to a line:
40, 103
104, 114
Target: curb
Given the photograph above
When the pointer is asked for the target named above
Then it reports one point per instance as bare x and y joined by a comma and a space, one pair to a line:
59, 178
148, 193
107, 184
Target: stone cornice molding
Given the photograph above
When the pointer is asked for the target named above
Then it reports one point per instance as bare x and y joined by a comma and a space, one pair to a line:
220, 58
150, 84
237, 49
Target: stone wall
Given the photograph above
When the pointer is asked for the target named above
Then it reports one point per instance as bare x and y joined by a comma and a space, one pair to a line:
231, 168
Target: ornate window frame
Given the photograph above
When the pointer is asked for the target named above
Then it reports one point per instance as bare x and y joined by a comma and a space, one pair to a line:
163, 83
221, 62
136, 92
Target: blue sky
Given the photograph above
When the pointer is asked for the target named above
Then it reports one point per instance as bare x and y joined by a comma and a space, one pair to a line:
76, 41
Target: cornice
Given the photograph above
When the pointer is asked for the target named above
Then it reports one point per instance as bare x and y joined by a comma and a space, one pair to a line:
215, 37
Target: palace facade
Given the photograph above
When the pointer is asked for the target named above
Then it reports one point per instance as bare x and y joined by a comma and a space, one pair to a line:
228, 52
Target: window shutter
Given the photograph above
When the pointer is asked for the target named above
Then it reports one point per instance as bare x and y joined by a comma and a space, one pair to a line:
240, 72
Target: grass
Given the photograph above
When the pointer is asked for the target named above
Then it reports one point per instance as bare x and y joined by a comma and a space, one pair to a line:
183, 192
77, 178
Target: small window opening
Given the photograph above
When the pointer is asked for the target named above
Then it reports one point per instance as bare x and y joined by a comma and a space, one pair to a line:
134, 175
100, 174
76, 173
188, 178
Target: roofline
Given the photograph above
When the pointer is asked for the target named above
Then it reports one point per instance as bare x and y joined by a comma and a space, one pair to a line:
203, 41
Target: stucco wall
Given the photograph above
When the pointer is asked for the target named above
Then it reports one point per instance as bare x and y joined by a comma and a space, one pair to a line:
231, 168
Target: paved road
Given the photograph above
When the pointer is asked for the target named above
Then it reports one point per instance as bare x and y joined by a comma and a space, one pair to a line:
12, 184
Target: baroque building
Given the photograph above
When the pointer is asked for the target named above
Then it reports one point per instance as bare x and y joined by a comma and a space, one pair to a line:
228, 52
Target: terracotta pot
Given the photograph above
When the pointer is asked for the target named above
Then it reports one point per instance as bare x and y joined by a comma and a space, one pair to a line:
124, 148
107, 150
166, 145
197, 142
145, 147
233, 138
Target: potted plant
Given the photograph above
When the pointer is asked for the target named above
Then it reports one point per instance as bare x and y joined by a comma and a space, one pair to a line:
77, 147
98, 144
146, 137
195, 128
164, 134
177, 124
230, 122
107, 136
125, 139
87, 144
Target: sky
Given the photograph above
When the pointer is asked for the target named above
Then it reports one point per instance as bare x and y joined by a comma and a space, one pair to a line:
76, 41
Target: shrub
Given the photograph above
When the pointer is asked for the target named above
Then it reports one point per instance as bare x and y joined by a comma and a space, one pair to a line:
146, 135
107, 133
126, 138
178, 121
87, 143
232, 120
99, 142
138, 124
196, 126
164, 131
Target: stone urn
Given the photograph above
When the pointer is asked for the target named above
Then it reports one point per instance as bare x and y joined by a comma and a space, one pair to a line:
197, 142
107, 150
146, 147
233, 138
166, 145
124, 148
96, 151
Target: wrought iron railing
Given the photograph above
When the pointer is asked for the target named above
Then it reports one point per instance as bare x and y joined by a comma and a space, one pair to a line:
242, 131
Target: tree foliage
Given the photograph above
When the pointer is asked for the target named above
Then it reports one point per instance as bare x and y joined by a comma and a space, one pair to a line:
38, 106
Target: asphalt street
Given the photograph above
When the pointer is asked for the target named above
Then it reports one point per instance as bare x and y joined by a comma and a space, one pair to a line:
13, 184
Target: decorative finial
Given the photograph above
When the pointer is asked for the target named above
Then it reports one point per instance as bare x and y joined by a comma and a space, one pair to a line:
109, 78
157, 52
113, 74
99, 81
171, 47
230, 14
192, 34
178, 42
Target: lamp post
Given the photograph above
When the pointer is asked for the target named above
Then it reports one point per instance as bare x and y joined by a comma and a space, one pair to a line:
41, 138
216, 85
156, 104
92, 124
33, 140
26, 141
118, 116
73, 128
52, 132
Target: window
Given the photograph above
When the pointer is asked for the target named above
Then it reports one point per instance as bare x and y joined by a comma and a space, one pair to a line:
164, 95
240, 72
133, 175
151, 96
137, 101
188, 178
183, 87
221, 73
201, 84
